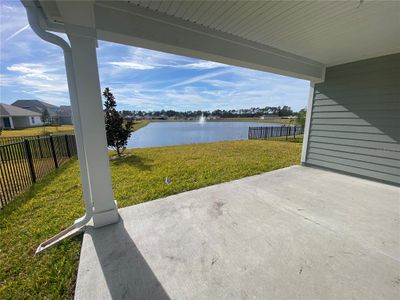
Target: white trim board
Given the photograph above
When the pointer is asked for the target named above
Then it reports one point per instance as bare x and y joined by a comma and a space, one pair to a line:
308, 123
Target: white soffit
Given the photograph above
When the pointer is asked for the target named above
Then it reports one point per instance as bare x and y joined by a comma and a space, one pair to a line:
331, 32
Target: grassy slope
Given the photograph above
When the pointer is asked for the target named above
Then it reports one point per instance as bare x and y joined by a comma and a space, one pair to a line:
53, 204
54, 129
139, 124
38, 130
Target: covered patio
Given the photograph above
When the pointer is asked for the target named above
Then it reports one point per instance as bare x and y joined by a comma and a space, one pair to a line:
297, 233
294, 233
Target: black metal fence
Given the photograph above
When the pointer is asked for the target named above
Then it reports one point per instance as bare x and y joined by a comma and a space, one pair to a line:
25, 160
267, 132
5, 140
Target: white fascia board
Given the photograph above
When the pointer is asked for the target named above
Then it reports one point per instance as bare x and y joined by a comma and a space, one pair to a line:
128, 24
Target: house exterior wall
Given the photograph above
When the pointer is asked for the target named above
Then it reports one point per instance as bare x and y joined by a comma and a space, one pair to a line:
35, 121
65, 120
21, 122
355, 120
4, 122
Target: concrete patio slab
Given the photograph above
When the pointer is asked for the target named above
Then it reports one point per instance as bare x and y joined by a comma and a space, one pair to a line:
295, 233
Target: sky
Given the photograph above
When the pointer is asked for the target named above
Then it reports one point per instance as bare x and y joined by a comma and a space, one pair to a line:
140, 79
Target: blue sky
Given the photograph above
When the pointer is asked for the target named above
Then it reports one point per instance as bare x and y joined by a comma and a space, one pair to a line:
141, 79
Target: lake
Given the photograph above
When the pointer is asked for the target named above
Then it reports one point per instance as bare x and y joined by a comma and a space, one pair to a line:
177, 133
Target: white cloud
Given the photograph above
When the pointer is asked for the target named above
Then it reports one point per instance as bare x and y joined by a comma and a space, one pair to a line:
200, 78
38, 71
131, 65
17, 32
202, 65
40, 81
153, 64
143, 59
218, 83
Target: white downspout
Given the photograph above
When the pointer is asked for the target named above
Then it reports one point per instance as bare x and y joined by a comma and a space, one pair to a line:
34, 16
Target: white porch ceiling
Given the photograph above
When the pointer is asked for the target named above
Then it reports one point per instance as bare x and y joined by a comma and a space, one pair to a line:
300, 36
331, 32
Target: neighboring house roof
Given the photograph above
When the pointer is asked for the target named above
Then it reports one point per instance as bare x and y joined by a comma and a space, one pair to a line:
37, 106
64, 111
7, 110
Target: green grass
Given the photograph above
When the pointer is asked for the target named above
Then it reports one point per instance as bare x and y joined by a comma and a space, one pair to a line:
45, 130
40, 130
52, 204
139, 124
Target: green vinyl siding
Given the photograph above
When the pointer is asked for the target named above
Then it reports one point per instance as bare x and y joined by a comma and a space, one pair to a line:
355, 120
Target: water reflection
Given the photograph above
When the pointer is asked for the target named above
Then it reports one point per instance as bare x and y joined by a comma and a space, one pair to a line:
176, 133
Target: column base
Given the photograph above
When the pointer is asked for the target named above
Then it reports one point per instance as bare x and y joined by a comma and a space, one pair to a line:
106, 217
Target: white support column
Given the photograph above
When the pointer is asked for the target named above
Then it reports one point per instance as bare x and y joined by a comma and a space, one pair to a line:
308, 123
92, 133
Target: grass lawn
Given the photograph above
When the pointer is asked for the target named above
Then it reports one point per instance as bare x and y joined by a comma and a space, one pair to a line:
52, 204
44, 130
40, 130
139, 124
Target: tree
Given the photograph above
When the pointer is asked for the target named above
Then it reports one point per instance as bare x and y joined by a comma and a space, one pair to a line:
285, 111
117, 132
301, 118
45, 117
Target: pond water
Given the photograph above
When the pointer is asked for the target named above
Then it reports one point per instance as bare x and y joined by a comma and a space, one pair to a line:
177, 133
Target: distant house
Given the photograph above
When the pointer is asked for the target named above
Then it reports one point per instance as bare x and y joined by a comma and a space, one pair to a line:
15, 117
149, 118
39, 106
64, 115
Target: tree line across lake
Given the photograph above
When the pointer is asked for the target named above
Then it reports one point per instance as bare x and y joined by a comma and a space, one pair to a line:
253, 112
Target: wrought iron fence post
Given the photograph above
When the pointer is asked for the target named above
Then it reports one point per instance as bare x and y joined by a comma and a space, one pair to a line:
30, 160
294, 134
67, 146
40, 147
53, 152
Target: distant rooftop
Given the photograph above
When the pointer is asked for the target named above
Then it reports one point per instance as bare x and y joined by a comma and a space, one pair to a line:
33, 102
11, 110
37, 106
64, 111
